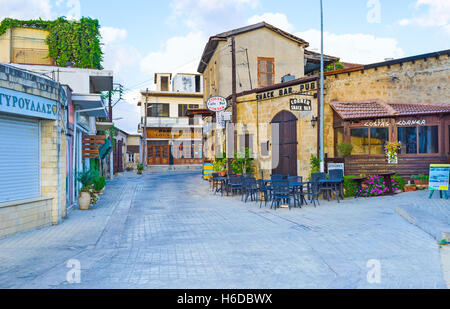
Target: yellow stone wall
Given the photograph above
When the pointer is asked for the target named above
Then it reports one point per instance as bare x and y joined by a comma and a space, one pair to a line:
421, 81
249, 109
49, 171
24, 45
29, 214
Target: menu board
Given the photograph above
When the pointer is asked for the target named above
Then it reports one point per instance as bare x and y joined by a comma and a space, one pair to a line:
439, 177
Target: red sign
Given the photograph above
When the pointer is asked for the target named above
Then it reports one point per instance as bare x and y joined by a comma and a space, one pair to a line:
216, 104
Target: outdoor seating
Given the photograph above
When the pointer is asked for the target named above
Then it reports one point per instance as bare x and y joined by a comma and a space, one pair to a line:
251, 189
234, 184
281, 193
265, 191
338, 176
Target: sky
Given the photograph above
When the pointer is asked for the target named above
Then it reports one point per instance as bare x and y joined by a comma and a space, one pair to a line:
143, 37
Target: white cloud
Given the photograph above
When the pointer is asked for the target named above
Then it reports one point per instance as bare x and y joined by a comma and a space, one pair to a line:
437, 15
355, 47
177, 52
26, 9
111, 34
276, 19
211, 16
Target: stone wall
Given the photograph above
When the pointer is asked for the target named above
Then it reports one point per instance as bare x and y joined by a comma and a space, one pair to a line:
23, 215
419, 81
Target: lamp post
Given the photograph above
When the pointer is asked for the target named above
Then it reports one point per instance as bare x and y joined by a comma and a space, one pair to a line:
322, 114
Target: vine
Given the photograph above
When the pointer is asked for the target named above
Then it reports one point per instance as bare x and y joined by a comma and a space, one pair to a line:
74, 42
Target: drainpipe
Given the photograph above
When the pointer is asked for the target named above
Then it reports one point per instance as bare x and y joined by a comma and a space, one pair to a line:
58, 147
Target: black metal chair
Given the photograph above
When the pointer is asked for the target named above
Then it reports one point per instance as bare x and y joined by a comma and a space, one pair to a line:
251, 189
265, 191
234, 184
281, 193
214, 181
244, 181
338, 174
316, 187
276, 177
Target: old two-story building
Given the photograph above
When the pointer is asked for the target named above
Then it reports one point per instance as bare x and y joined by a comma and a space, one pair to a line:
271, 64
26, 48
33, 150
404, 100
86, 114
169, 137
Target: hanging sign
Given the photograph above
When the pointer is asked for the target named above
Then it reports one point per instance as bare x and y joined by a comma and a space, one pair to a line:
439, 176
298, 104
220, 120
216, 104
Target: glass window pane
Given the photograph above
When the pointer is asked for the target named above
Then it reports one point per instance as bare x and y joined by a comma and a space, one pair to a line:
378, 138
428, 139
359, 138
407, 136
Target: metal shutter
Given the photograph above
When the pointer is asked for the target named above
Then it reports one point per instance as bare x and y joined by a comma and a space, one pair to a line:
19, 159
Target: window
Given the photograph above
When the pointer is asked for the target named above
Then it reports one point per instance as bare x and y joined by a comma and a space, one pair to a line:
246, 141
359, 138
164, 83
158, 110
130, 157
407, 136
183, 108
378, 138
427, 142
338, 138
428, 139
266, 71
197, 83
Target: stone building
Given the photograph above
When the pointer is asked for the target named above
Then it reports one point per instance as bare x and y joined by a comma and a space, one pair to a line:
33, 151
404, 100
169, 137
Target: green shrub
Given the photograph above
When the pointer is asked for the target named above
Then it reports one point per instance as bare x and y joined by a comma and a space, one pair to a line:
344, 149
350, 186
99, 183
400, 181
314, 161
87, 177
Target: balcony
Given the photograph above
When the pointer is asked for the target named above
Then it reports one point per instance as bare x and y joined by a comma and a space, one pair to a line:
168, 122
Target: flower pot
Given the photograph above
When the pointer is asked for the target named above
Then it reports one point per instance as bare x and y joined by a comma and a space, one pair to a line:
139, 172
410, 188
84, 200
418, 182
222, 173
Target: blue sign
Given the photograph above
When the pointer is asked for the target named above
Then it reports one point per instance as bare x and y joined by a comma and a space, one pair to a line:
15, 102
439, 176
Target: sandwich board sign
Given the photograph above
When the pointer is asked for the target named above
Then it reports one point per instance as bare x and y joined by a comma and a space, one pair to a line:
439, 178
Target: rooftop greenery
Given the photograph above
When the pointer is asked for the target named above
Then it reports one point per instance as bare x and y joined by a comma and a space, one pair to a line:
75, 42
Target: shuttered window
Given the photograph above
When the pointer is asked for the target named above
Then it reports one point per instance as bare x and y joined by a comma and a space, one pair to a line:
266, 71
19, 159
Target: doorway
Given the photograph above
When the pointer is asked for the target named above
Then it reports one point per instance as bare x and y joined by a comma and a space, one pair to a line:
158, 153
284, 151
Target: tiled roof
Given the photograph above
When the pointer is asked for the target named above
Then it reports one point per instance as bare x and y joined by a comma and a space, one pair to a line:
379, 109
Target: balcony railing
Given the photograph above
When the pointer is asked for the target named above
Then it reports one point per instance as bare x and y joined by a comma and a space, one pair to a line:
164, 122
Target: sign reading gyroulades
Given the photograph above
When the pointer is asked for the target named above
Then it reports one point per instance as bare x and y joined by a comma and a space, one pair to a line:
19, 103
218, 104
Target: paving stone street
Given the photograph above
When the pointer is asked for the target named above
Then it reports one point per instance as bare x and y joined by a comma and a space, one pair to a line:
170, 231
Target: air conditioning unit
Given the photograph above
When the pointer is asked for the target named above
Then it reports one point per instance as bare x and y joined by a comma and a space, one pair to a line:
287, 78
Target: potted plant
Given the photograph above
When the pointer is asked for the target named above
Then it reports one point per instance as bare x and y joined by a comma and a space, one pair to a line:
220, 166
140, 168
344, 149
391, 149
409, 188
99, 184
87, 193
420, 180
242, 163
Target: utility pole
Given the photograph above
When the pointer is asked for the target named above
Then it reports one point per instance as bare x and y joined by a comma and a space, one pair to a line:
322, 112
233, 98
111, 155
144, 134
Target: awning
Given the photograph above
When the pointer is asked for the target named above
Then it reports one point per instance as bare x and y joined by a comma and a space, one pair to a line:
90, 104
199, 111
379, 109
103, 126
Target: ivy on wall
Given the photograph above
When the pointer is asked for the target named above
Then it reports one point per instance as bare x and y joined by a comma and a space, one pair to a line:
74, 42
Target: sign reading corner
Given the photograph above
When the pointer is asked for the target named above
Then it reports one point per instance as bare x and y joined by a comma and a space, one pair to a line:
19, 103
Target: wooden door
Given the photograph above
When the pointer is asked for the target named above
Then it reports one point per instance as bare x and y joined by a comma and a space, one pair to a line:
158, 154
284, 161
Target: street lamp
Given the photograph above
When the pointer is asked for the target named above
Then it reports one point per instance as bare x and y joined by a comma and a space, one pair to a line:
322, 115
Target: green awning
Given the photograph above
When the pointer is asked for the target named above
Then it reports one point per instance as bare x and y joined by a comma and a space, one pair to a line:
104, 149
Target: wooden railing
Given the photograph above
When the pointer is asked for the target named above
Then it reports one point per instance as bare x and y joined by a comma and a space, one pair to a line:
91, 145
